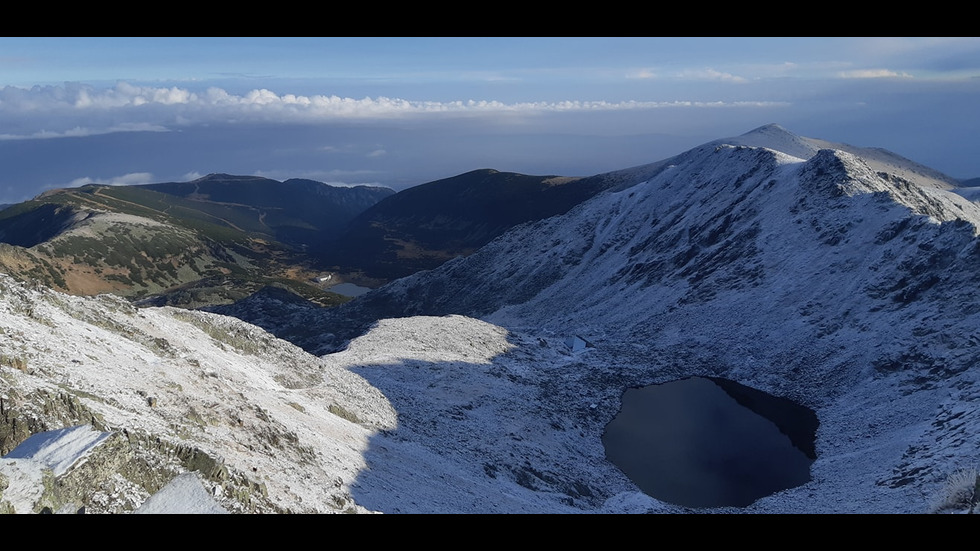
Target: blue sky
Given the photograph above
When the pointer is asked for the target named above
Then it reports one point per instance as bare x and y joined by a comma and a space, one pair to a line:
403, 111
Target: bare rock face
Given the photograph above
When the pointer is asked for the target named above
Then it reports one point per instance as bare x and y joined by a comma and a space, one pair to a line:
81, 469
5, 506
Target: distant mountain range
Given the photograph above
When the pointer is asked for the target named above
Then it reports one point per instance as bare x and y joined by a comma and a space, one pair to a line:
296, 212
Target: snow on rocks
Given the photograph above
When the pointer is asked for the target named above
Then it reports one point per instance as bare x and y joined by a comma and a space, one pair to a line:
190, 389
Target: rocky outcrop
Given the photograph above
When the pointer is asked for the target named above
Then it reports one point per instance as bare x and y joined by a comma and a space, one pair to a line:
174, 391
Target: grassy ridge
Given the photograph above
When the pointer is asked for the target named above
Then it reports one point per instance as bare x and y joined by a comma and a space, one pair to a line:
161, 243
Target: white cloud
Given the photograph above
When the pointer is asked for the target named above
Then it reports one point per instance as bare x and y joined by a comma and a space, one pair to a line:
711, 74
131, 179
489, 77
873, 73
641, 74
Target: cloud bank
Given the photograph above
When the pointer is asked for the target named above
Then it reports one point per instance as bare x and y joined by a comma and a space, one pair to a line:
75, 110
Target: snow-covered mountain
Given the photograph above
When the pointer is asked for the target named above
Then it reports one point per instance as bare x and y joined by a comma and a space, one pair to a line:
839, 277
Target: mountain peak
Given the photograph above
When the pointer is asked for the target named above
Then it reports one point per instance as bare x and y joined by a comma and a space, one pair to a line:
771, 128
775, 137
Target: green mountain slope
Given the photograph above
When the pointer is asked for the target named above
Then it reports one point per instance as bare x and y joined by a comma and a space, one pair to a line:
143, 240
423, 226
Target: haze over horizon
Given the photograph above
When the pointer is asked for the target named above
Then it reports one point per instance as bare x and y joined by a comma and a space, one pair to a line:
403, 111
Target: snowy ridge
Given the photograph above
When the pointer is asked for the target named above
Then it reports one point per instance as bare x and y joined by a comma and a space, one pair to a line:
777, 138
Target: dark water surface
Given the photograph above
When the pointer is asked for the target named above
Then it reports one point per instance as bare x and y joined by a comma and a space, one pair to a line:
707, 442
348, 289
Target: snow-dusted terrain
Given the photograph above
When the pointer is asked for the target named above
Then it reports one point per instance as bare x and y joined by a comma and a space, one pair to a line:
840, 277
182, 391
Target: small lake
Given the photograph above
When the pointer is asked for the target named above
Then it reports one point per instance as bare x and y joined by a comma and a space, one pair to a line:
348, 289
709, 442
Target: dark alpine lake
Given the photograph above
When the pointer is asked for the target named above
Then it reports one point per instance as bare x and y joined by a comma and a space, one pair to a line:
348, 289
709, 442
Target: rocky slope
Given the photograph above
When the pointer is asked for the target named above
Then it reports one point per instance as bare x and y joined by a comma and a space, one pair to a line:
268, 427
